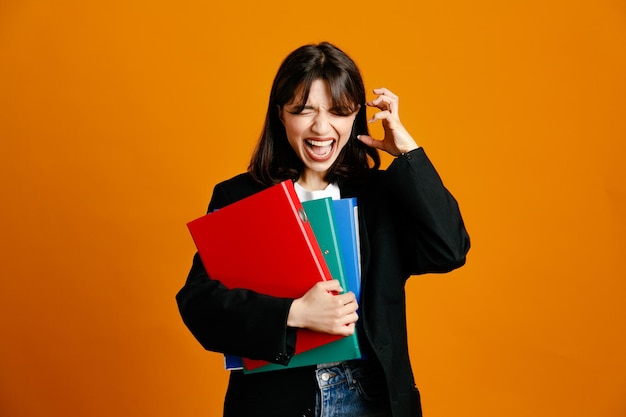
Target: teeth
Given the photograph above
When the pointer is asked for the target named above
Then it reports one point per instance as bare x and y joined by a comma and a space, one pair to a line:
321, 148
319, 142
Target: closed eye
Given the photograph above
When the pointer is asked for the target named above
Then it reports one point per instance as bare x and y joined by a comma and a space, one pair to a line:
344, 111
301, 110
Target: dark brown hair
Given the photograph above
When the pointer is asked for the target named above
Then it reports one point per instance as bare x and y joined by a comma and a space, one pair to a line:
274, 160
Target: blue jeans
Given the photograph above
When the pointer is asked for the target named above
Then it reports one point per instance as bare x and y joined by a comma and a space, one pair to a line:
346, 390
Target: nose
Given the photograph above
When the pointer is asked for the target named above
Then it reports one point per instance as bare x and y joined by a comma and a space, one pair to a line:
321, 123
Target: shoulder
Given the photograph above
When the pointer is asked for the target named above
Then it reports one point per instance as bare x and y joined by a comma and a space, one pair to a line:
235, 189
411, 165
241, 181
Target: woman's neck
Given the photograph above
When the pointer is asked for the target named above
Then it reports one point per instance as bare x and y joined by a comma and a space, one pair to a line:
312, 181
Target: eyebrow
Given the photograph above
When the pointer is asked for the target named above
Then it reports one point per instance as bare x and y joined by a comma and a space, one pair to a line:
299, 108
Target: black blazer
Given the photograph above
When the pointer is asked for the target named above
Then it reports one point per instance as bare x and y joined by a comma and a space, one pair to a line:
409, 225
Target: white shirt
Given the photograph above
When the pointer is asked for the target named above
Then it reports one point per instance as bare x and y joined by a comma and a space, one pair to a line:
331, 190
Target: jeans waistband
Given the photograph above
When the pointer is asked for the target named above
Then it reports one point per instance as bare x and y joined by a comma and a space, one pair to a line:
335, 374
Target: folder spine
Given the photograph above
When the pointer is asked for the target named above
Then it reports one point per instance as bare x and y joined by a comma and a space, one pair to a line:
306, 232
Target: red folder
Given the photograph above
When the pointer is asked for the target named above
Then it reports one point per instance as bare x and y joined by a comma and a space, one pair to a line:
264, 243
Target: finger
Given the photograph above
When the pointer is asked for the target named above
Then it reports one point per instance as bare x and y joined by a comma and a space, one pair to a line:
381, 115
354, 317
351, 319
332, 285
348, 300
350, 297
384, 104
346, 330
384, 91
370, 141
351, 307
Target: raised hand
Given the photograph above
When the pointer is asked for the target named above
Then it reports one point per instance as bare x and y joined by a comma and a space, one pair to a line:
397, 140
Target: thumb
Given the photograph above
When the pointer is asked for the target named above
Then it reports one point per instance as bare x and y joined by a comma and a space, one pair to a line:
332, 285
370, 141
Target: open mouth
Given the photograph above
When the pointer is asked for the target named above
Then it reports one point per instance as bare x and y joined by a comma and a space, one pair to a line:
319, 149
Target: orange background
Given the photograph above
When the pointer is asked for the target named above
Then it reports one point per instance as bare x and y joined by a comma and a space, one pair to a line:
118, 117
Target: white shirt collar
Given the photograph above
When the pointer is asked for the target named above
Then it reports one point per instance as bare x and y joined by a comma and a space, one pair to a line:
332, 190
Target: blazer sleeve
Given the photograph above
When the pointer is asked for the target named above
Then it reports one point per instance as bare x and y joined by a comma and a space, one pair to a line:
429, 220
235, 321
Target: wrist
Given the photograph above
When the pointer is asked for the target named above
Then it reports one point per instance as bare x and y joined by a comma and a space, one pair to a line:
407, 153
293, 318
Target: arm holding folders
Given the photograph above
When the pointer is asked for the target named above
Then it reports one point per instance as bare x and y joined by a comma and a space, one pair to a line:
261, 244
328, 222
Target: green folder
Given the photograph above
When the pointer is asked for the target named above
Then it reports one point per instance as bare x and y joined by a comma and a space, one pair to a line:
321, 218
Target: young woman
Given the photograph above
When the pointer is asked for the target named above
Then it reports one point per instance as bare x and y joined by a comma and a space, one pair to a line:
316, 134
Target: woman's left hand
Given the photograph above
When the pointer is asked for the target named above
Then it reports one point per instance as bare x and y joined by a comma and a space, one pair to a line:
397, 140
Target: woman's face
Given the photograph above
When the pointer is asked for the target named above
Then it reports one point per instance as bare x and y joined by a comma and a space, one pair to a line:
319, 132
